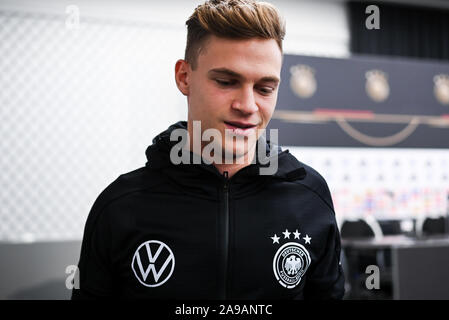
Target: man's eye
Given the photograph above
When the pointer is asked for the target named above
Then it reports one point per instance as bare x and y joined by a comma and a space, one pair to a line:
225, 83
266, 90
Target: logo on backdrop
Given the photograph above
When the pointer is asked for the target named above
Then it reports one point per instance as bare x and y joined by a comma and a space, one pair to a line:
302, 80
441, 88
377, 86
292, 259
153, 263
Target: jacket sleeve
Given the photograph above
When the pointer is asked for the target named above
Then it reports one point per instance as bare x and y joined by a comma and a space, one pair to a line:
326, 281
95, 267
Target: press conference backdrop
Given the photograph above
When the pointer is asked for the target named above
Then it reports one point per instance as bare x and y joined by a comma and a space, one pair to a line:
363, 102
376, 128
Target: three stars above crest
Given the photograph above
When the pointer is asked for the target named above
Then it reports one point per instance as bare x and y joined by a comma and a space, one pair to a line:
287, 234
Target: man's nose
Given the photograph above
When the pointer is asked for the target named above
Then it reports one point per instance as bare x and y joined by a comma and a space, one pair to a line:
245, 102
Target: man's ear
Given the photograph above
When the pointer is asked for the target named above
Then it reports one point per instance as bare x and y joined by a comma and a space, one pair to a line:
182, 76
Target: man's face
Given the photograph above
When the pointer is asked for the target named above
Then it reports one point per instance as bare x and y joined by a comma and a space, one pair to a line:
235, 87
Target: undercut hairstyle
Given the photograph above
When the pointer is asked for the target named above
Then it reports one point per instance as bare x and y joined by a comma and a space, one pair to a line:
232, 19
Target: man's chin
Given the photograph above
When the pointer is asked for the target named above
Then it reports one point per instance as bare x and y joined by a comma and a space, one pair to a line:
237, 154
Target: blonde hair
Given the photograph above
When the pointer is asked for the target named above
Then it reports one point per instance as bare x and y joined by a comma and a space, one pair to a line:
232, 19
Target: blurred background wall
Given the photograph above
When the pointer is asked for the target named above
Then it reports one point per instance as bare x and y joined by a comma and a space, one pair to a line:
80, 102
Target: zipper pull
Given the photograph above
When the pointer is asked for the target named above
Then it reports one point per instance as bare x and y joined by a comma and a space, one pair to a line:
225, 175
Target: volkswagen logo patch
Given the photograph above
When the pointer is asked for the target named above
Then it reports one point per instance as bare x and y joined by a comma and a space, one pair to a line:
153, 263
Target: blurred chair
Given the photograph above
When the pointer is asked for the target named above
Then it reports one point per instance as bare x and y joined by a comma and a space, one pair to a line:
432, 226
367, 227
391, 227
356, 260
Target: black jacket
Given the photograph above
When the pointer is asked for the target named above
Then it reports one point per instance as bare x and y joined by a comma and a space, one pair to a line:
185, 231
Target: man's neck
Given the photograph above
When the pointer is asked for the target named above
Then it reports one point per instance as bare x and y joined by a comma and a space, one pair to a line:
236, 164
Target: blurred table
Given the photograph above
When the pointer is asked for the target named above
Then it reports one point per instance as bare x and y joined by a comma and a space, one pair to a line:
418, 268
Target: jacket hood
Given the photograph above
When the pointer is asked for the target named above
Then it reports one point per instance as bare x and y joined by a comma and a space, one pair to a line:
158, 158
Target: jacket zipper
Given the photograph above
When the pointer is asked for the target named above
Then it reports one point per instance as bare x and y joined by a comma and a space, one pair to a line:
225, 237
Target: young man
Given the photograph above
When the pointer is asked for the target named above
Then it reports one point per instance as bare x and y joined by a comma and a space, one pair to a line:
213, 228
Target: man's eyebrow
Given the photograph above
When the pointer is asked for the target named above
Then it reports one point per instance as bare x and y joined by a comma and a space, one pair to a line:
228, 72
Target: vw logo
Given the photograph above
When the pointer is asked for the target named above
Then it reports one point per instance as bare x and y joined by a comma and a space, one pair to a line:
153, 263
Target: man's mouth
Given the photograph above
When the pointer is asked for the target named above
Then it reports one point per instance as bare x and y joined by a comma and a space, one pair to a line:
240, 128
